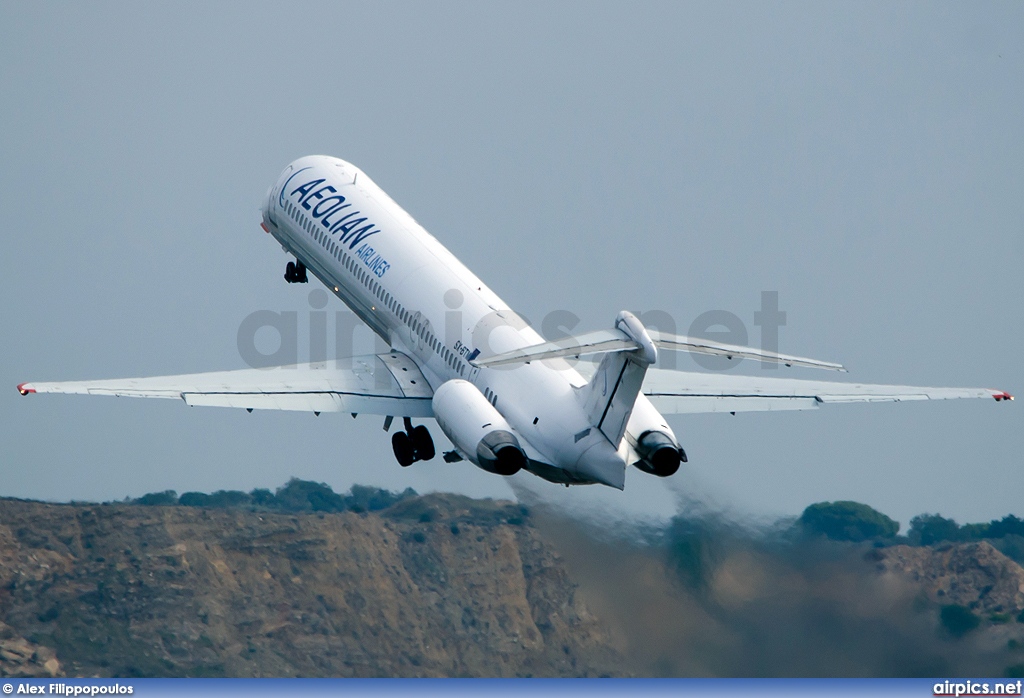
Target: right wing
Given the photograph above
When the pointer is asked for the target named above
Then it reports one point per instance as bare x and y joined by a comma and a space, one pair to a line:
603, 341
385, 384
683, 392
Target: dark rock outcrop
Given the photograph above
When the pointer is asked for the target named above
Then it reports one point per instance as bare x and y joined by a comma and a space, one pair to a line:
974, 575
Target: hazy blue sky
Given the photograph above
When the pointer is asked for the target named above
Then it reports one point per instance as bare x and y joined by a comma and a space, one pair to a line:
865, 160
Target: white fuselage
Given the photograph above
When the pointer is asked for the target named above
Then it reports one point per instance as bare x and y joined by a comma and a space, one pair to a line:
409, 289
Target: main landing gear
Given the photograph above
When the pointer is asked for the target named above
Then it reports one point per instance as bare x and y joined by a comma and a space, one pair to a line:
412, 445
295, 273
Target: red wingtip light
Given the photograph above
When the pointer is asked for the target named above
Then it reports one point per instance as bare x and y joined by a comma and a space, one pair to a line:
1002, 396
265, 228
25, 389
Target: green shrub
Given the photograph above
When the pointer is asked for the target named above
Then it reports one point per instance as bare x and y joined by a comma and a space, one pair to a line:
228, 498
194, 499
958, 620
847, 521
165, 498
974, 531
1012, 546
928, 529
303, 495
297, 495
1009, 525
362, 498
261, 497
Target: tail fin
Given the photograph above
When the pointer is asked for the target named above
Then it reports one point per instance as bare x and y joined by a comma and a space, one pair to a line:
610, 395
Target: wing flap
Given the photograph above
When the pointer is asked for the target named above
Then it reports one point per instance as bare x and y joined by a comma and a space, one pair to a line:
682, 392
387, 384
707, 404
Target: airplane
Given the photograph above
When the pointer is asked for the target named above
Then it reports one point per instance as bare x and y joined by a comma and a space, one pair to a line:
508, 400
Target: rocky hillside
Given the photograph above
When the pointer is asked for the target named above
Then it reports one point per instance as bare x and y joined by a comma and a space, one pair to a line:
973, 575
306, 582
432, 586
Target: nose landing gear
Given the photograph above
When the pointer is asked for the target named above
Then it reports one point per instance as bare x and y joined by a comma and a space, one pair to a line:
412, 445
295, 273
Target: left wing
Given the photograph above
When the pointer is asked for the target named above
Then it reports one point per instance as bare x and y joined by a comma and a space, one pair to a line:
682, 392
385, 384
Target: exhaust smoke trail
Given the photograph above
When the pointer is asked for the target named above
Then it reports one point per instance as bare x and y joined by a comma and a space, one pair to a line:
707, 595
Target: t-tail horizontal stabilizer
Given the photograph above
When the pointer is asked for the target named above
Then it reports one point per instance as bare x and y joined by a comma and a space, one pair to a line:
617, 340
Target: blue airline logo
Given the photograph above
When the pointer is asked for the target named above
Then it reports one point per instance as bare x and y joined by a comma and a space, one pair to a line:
377, 264
327, 206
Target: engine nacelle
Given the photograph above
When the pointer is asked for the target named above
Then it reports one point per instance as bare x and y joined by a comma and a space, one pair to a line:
659, 454
657, 447
477, 429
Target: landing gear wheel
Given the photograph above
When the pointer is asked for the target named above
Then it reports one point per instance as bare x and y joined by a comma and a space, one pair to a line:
422, 442
405, 454
295, 273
